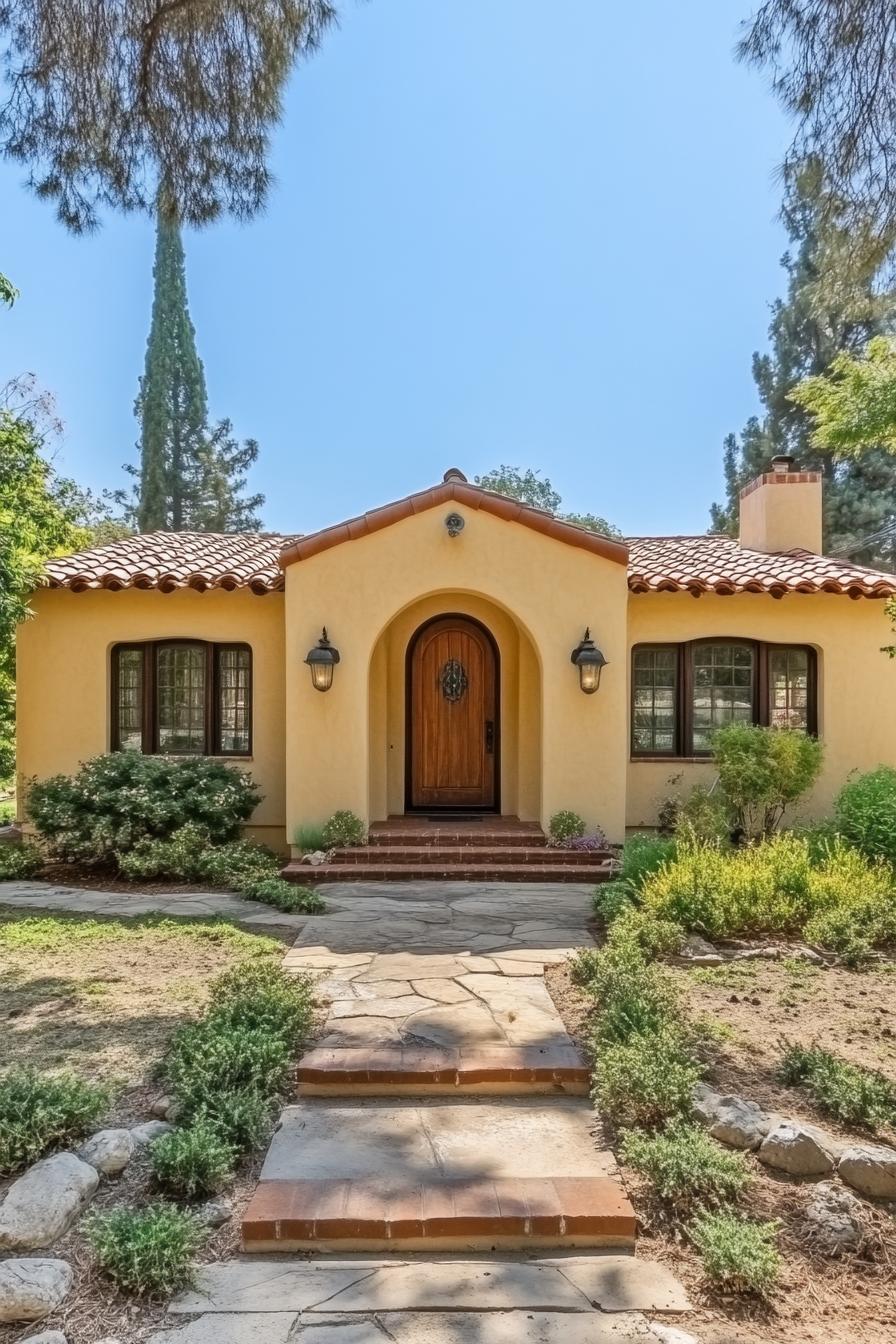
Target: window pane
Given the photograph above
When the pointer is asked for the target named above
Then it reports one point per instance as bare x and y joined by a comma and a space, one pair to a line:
130, 700
234, 708
788, 688
654, 674
180, 695
724, 677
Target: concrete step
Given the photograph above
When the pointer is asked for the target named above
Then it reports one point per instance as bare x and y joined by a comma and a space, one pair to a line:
468, 871
420, 1071
480, 854
356, 1175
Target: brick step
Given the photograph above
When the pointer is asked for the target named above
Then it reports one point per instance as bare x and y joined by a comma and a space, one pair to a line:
422, 1071
448, 872
484, 854
394, 1214
473, 838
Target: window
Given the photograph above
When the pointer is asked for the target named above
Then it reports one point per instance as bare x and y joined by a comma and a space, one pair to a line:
682, 693
182, 698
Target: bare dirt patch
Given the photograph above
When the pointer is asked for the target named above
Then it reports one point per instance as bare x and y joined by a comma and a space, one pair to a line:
747, 1009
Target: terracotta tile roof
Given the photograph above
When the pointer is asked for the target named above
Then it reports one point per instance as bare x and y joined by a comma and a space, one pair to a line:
718, 564
702, 564
455, 488
169, 560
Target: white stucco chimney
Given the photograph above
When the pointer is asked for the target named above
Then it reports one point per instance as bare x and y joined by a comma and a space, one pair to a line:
781, 510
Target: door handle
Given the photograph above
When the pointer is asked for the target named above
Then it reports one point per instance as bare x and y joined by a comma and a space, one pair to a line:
490, 736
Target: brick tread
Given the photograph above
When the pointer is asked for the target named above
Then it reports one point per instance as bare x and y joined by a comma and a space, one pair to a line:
561, 1065
477, 854
581, 1210
451, 872
440, 837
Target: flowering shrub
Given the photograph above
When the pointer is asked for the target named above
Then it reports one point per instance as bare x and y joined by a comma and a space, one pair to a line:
565, 826
344, 830
587, 843
116, 802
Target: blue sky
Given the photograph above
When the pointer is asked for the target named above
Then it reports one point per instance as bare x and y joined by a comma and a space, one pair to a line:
502, 232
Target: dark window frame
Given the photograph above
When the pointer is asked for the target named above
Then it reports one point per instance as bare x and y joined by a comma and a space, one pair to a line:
150, 717
683, 748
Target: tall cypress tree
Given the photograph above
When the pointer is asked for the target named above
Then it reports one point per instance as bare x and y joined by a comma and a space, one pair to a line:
191, 475
833, 303
172, 403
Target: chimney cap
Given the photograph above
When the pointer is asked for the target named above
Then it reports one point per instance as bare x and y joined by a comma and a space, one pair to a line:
454, 474
783, 463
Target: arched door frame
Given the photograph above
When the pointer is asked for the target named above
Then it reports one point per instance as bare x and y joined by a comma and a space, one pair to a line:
495, 807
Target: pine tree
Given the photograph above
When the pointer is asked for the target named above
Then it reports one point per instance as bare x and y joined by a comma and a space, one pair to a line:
832, 304
190, 475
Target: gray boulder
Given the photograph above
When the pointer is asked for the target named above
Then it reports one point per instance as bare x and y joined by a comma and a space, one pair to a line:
215, 1213
44, 1203
732, 1120
800, 1150
833, 1218
46, 1337
696, 951
870, 1169
31, 1289
153, 1129
110, 1150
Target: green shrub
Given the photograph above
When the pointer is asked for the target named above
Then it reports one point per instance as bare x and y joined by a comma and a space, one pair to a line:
18, 862
865, 813
191, 855
39, 1112
309, 838
284, 896
612, 899
210, 1057
762, 771
146, 1251
115, 802
645, 1080
241, 1116
344, 830
191, 1162
633, 996
854, 905
685, 1165
261, 997
643, 855
7, 811
854, 1095
655, 936
565, 826
738, 1256
704, 816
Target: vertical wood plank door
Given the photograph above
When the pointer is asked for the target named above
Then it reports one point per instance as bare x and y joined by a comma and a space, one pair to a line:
452, 716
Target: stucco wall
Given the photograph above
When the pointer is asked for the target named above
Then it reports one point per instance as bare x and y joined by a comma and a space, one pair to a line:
856, 682
63, 660
546, 589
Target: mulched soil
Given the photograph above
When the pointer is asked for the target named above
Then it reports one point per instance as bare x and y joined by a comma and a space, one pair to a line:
93, 878
819, 1300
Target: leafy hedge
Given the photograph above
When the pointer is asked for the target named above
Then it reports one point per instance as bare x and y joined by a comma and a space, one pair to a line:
118, 802
18, 862
39, 1112
865, 813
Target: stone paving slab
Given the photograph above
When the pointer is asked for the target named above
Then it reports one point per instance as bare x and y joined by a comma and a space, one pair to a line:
186, 905
511, 1138
574, 1283
495, 1327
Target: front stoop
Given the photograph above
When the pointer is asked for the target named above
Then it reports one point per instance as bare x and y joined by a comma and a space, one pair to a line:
448, 1215
417, 1071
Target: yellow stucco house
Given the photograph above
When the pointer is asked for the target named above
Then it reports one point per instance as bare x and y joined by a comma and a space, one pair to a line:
464, 682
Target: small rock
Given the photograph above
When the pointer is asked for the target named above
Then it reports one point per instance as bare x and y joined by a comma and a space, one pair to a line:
109, 1150
803, 953
315, 857
800, 1150
215, 1213
152, 1129
160, 1107
108, 1339
43, 1203
758, 954
833, 1217
696, 951
870, 1169
670, 1334
732, 1120
46, 1337
31, 1289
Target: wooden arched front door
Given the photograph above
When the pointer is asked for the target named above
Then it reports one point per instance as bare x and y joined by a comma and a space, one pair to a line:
452, 716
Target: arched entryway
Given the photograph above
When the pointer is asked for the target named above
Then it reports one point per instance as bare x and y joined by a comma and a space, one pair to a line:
453, 734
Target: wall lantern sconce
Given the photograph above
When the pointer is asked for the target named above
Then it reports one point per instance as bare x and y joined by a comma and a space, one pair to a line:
590, 662
322, 659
